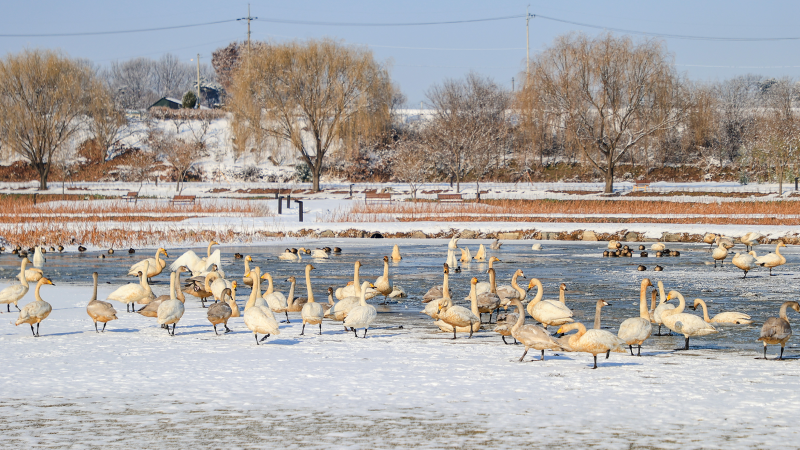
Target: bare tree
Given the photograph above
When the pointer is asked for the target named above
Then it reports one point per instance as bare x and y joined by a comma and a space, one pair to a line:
315, 96
777, 142
171, 76
44, 99
225, 61
132, 82
106, 124
610, 91
738, 99
412, 162
179, 154
468, 126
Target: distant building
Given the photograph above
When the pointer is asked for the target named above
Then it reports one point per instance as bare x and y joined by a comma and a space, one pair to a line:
168, 102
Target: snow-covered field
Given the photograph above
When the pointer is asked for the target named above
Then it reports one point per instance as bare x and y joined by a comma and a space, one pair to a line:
411, 387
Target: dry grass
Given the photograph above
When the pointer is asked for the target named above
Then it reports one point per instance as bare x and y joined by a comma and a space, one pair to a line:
766, 213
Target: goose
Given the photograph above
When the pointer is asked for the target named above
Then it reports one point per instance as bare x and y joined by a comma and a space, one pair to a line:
731, 317
170, 311
458, 316
15, 292
662, 306
484, 286
481, 255
613, 245
276, 301
200, 266
488, 302
772, 259
319, 254
132, 293
337, 250
547, 312
245, 279
362, 315
658, 247
38, 258
312, 312
719, 253
531, 336
496, 244
744, 261
258, 318
151, 309
220, 312
710, 239
512, 291
438, 292
396, 253
98, 310
384, 283
776, 330
636, 330
592, 341
686, 324
154, 265
466, 256
36, 311
750, 239
352, 290
432, 307
217, 284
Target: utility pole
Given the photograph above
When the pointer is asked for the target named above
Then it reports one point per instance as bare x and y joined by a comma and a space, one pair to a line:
527, 42
248, 19
198, 81
512, 84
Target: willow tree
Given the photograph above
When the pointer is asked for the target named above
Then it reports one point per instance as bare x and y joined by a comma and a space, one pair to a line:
45, 98
318, 96
608, 92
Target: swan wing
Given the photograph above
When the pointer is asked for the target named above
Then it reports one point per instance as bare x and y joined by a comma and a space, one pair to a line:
551, 309
732, 317
600, 341
634, 330
692, 325
188, 259
774, 328
215, 258
13, 293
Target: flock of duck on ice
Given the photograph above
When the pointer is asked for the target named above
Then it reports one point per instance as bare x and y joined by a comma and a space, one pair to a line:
351, 308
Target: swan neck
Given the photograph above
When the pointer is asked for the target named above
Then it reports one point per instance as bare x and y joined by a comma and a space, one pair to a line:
681, 304
39, 297
179, 292
782, 313
473, 299
386, 270
643, 311
209, 278
653, 301
270, 287
363, 299
520, 315
598, 308
446, 286
172, 286
661, 294
208, 251
290, 298
357, 279
143, 278
94, 288
492, 281
255, 291
158, 256
705, 310
308, 286
561, 296
539, 291
246, 266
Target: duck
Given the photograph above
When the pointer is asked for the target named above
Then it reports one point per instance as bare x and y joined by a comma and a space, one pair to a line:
81, 248
312, 312
688, 325
304, 250
238, 255
130, 250
481, 254
636, 330
641, 247
60, 248
744, 261
245, 279
719, 253
776, 330
384, 284
772, 259
219, 313
658, 268
352, 290
513, 290
170, 311
98, 310
111, 251
319, 254
200, 266
132, 293
488, 302
15, 292
591, 341
362, 315
432, 305
641, 268
258, 317
396, 253
38, 257
458, 316
36, 311
531, 336
496, 244
730, 317
547, 312
276, 301
337, 250
154, 265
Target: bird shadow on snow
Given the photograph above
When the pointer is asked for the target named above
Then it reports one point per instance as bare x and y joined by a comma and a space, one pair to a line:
64, 333
120, 330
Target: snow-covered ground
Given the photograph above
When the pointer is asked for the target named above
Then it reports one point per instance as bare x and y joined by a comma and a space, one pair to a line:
137, 387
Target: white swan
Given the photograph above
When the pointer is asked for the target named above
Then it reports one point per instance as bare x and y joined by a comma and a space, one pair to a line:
512, 291
772, 259
719, 253
396, 253
744, 261
150, 266
731, 317
132, 293
451, 252
709, 238
686, 324
38, 257
217, 284
384, 284
481, 255
636, 330
592, 341
353, 290
466, 256
200, 266
432, 306
171, 311
32, 274
290, 255
658, 246
98, 310
496, 244
536, 247
547, 312
245, 279
362, 315
15, 292
776, 330
531, 336
750, 239
319, 254
662, 306
36, 311
312, 312
458, 316
726, 241
276, 301
258, 317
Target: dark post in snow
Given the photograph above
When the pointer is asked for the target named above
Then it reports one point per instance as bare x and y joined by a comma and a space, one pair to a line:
300, 206
34, 199
351, 190
478, 197
280, 204
795, 183
288, 200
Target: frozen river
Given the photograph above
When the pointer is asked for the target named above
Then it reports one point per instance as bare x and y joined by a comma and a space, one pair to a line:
134, 386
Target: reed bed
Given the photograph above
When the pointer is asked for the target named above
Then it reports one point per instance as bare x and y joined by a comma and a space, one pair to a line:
744, 212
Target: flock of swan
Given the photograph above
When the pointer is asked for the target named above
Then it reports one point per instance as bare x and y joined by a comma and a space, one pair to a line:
348, 304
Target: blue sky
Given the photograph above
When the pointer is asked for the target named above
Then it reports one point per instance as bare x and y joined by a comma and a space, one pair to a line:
496, 48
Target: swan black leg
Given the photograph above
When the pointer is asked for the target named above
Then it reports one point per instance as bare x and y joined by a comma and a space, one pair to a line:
33, 332
256, 335
16, 306
687, 344
264, 338
227, 330
287, 316
765, 351
454, 333
365, 332
320, 328
504, 339
8, 306
470, 331
639, 352
630, 347
779, 358
215, 330
608, 353
542, 356
523, 355
595, 362
354, 332
95, 328
39, 323
302, 332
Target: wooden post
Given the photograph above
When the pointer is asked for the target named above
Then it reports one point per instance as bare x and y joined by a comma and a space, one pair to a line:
300, 205
280, 205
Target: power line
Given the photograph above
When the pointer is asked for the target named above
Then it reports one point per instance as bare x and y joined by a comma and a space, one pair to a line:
387, 24
667, 35
140, 30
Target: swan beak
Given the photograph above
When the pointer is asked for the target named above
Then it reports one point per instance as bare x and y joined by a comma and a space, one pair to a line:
559, 330
248, 274
264, 277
